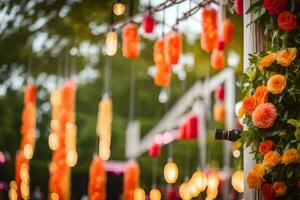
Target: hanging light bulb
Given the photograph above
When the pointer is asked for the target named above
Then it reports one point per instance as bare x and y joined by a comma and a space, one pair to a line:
111, 43
139, 194
71, 158
53, 141
200, 180
155, 194
237, 181
28, 151
184, 191
213, 181
192, 189
170, 172
119, 8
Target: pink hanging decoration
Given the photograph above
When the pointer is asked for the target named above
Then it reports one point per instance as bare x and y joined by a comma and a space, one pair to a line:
154, 150
238, 6
148, 24
192, 127
219, 93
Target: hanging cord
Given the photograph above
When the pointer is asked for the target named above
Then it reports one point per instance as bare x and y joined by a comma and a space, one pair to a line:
131, 9
188, 156
154, 166
163, 22
29, 70
132, 93
73, 66
107, 73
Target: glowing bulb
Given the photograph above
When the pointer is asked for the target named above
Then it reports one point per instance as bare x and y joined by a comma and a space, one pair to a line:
212, 193
139, 194
155, 194
55, 97
118, 9
12, 194
192, 189
184, 191
53, 141
170, 172
71, 158
236, 153
200, 180
111, 43
213, 181
28, 151
237, 181
54, 196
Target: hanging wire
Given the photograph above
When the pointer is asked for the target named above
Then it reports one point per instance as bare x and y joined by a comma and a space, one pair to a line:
29, 70
132, 93
163, 22
107, 74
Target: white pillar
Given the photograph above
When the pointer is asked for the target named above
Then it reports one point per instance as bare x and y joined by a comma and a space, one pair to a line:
253, 42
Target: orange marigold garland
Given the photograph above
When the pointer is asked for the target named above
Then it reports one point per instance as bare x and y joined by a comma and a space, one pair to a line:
130, 43
63, 126
162, 76
209, 36
227, 31
97, 181
27, 145
173, 48
131, 180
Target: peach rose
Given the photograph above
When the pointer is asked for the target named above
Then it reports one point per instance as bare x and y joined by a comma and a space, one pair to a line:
289, 156
264, 115
286, 56
249, 104
279, 189
265, 146
271, 159
276, 84
261, 94
259, 170
267, 61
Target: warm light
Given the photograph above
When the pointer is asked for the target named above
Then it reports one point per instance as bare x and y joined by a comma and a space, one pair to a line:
192, 189
236, 153
12, 194
213, 181
54, 196
71, 158
237, 181
139, 194
55, 97
53, 141
212, 193
170, 172
28, 151
155, 194
200, 180
111, 43
184, 191
118, 9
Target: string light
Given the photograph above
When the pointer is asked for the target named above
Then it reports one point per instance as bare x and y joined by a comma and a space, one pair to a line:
28, 151
53, 141
200, 180
139, 194
155, 194
111, 43
119, 8
237, 181
12, 194
171, 172
184, 191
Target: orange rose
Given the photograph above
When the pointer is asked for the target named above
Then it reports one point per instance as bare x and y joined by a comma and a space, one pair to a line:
261, 94
265, 147
287, 21
279, 189
276, 84
286, 56
267, 61
271, 159
289, 156
254, 181
255, 177
249, 104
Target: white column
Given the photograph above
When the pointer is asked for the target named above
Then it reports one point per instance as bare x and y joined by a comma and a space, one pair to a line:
253, 42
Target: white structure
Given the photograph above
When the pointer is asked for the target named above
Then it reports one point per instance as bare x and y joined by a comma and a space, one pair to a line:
135, 146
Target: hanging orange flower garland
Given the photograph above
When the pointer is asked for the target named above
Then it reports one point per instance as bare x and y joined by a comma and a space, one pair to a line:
27, 142
97, 181
209, 36
130, 41
130, 180
173, 48
162, 76
63, 126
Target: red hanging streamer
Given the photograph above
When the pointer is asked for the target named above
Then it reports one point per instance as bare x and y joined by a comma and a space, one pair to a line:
97, 181
130, 41
209, 36
131, 180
